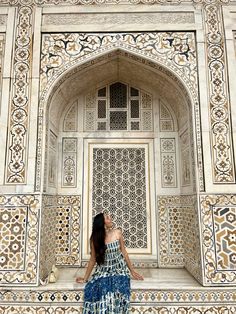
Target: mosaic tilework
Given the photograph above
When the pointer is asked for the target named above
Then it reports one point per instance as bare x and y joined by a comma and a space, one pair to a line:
179, 245
13, 237
219, 238
225, 236
167, 51
68, 230
18, 123
170, 219
48, 236
191, 238
21, 268
151, 297
219, 106
136, 309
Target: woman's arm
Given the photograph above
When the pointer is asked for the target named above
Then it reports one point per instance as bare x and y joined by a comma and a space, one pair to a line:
126, 257
91, 263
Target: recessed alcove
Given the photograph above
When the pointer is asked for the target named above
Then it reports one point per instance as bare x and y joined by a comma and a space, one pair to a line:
167, 204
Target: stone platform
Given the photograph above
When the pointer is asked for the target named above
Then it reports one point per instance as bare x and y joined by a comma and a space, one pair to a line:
163, 291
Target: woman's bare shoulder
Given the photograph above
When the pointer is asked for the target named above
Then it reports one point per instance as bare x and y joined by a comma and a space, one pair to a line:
118, 233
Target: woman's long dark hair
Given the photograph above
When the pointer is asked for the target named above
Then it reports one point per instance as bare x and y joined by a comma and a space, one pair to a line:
98, 238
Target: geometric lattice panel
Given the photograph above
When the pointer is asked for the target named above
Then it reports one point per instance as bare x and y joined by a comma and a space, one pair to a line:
118, 107
179, 244
225, 237
63, 230
119, 186
19, 239
171, 245
218, 238
48, 236
13, 236
68, 230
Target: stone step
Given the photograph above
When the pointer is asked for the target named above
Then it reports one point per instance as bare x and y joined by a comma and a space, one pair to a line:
163, 291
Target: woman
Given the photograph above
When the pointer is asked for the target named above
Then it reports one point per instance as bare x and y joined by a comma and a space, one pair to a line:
108, 290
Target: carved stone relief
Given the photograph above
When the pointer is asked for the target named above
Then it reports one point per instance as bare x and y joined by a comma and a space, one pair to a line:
119, 18
185, 158
52, 162
168, 163
69, 162
71, 119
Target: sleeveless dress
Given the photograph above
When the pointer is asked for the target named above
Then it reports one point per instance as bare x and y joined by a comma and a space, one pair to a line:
108, 290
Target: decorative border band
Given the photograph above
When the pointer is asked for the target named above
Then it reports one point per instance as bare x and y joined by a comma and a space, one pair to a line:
219, 103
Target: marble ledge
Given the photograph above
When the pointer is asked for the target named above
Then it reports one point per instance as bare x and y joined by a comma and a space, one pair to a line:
154, 279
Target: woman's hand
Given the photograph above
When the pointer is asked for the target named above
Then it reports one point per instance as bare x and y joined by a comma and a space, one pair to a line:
80, 280
136, 275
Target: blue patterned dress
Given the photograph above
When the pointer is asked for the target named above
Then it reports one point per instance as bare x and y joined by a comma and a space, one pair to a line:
108, 290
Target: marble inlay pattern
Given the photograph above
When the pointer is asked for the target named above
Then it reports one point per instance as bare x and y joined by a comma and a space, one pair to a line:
20, 208
68, 230
151, 297
168, 163
175, 51
192, 249
13, 237
136, 309
179, 246
48, 236
170, 218
219, 105
69, 162
225, 236
219, 238
18, 121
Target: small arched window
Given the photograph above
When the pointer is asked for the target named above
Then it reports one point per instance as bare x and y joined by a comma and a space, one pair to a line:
118, 107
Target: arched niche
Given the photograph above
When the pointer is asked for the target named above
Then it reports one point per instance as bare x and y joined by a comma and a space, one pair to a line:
170, 101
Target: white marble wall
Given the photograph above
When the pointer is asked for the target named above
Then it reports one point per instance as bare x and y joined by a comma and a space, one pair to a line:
58, 18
